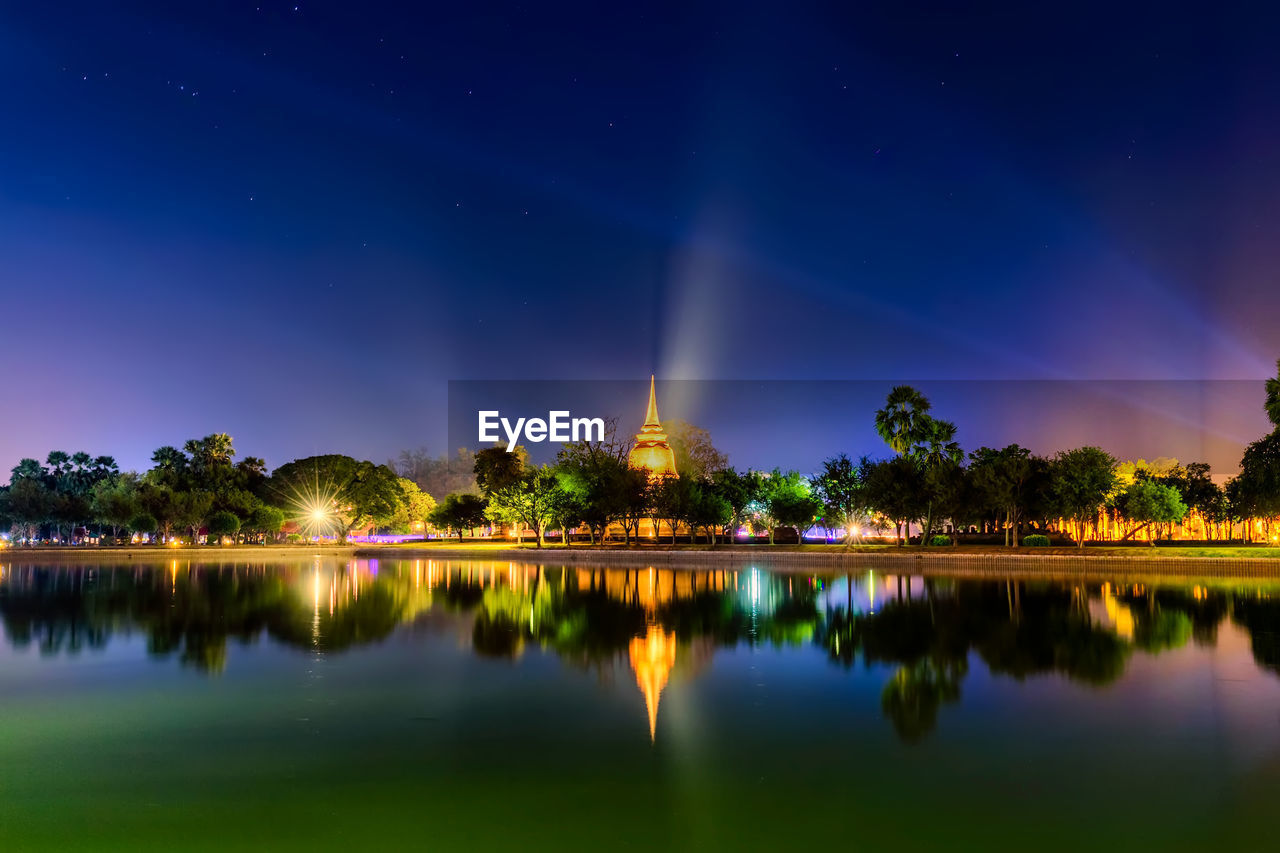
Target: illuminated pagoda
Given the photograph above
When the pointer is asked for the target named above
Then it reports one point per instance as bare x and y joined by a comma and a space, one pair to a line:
652, 452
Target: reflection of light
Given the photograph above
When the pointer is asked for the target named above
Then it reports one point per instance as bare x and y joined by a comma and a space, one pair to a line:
652, 657
755, 587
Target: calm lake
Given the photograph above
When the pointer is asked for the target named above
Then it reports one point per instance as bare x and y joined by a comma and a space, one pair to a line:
363, 704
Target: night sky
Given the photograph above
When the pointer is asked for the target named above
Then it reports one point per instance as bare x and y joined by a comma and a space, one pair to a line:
296, 222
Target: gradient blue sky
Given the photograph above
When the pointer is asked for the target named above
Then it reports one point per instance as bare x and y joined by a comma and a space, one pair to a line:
294, 222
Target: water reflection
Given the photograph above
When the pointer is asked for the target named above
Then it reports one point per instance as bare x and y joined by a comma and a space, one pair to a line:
920, 635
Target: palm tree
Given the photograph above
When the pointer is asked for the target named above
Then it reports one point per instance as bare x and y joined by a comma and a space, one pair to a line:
1273, 397
169, 458
57, 462
29, 469
105, 466
936, 443
899, 423
935, 447
212, 451
253, 465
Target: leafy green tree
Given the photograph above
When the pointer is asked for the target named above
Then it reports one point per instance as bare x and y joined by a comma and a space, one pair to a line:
1146, 502
1082, 480
265, 522
192, 510
347, 492
696, 457
29, 504
415, 508
685, 500
1256, 490
794, 508
223, 523
1195, 486
567, 509
740, 490
161, 503
785, 495
1004, 482
115, 502
633, 491
459, 511
496, 469
708, 510
599, 480
896, 489
841, 489
952, 495
143, 522
530, 499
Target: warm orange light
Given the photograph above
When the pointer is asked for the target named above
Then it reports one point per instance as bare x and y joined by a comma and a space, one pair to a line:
652, 657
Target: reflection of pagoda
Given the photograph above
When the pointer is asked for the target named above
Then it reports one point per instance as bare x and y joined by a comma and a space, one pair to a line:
652, 657
651, 451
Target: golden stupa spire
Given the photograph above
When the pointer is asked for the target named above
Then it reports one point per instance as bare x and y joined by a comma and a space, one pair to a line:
651, 417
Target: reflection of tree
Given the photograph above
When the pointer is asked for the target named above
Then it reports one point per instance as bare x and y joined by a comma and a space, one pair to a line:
592, 618
1205, 608
913, 695
1163, 619
497, 636
1049, 632
595, 624
54, 613
191, 613
1261, 618
367, 618
1018, 631
1161, 629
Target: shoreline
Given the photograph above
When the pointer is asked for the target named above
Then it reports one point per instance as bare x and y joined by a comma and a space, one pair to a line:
915, 561
163, 553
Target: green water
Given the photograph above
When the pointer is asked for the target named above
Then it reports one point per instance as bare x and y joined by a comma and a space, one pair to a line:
474, 705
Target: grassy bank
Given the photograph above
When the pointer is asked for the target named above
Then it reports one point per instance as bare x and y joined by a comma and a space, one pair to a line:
1205, 561
56, 553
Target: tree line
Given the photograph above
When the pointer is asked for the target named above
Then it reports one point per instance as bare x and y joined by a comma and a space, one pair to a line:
928, 483
201, 493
